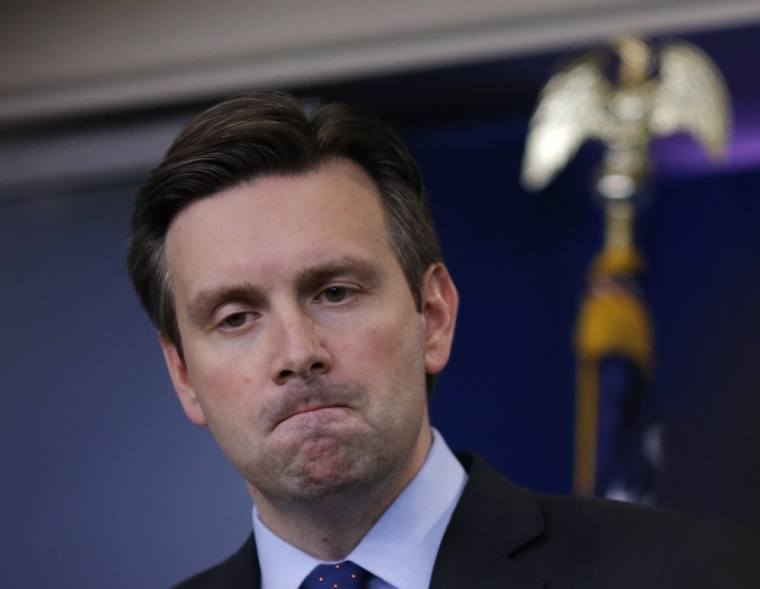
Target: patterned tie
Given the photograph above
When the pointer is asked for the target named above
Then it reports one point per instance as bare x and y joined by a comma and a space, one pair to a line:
344, 575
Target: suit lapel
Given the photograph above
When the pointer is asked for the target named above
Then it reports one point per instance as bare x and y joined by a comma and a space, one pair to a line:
248, 572
491, 521
239, 571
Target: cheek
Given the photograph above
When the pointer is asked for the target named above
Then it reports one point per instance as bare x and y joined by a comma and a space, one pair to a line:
384, 354
227, 382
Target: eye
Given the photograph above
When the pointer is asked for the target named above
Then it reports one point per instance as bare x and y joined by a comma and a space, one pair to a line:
235, 320
336, 294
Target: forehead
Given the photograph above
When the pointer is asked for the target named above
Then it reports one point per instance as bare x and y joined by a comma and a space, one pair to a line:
275, 222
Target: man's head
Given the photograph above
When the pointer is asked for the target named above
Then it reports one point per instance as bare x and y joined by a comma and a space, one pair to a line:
269, 134
291, 267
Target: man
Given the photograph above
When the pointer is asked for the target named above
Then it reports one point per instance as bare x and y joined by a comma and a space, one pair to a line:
290, 265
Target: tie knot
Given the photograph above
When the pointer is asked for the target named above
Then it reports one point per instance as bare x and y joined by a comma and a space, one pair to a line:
343, 575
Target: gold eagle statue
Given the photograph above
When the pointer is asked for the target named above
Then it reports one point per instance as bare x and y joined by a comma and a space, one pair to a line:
673, 90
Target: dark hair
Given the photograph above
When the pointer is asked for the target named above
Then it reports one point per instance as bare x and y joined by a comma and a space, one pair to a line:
265, 134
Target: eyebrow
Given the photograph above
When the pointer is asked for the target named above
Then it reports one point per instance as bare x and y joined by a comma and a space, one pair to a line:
202, 304
364, 270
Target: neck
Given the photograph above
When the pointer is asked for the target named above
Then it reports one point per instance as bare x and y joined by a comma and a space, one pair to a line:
329, 529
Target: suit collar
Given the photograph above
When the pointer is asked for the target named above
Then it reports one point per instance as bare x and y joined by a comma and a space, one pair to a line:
493, 519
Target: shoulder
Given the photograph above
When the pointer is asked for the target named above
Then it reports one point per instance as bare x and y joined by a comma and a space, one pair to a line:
613, 543
666, 548
622, 523
241, 570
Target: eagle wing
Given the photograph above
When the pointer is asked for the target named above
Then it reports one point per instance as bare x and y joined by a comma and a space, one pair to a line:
692, 97
571, 109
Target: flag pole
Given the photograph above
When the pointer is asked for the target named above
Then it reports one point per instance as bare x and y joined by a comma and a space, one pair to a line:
657, 93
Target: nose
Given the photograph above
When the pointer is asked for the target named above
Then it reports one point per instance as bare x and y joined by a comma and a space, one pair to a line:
298, 351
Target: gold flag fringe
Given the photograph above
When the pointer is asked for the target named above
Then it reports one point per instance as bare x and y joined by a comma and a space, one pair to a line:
612, 320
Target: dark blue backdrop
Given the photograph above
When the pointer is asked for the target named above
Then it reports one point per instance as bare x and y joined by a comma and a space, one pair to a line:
520, 259
104, 476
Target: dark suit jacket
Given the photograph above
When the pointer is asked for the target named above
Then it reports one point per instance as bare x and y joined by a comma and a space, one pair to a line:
503, 536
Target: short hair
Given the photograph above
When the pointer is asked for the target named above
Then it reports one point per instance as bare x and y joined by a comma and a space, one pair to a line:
270, 134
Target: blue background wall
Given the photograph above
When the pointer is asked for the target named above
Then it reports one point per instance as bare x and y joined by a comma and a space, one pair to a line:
106, 484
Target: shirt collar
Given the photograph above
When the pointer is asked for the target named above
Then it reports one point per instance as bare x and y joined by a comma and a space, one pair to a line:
400, 548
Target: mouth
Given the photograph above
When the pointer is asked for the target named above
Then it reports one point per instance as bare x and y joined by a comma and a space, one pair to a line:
307, 413
313, 404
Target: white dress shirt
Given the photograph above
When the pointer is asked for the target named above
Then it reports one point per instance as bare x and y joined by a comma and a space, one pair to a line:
401, 547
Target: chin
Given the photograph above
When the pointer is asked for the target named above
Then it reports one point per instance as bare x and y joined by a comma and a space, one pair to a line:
326, 467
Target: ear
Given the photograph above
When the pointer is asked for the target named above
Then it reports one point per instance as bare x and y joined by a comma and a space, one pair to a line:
440, 302
181, 381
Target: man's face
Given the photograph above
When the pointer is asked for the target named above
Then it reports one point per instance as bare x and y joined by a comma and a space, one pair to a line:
304, 352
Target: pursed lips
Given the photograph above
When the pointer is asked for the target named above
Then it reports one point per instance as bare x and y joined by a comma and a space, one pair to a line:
313, 397
310, 409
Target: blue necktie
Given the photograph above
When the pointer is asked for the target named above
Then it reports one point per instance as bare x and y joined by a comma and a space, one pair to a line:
344, 575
